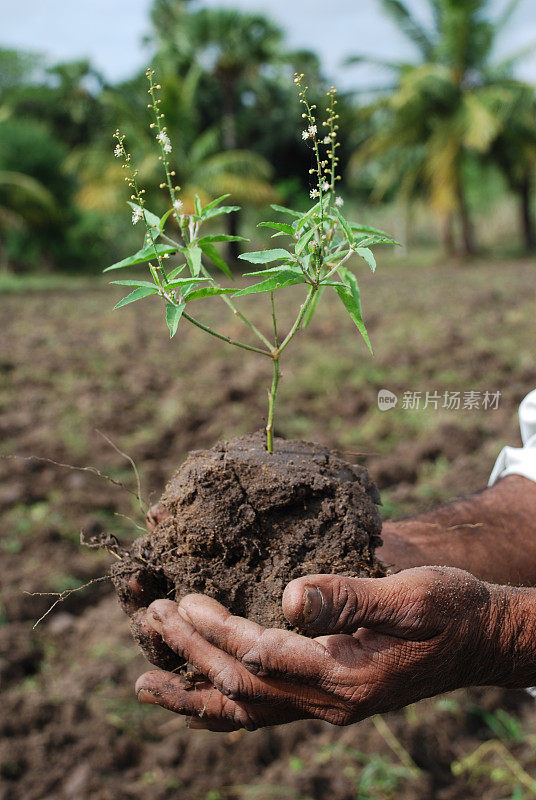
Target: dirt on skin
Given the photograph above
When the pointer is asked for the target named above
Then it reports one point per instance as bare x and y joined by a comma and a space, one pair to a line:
242, 522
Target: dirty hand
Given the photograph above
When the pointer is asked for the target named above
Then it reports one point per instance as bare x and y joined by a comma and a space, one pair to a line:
381, 644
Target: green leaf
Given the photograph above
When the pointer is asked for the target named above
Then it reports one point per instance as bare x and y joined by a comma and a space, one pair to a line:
210, 251
173, 315
368, 256
215, 202
164, 219
280, 281
185, 282
285, 210
214, 212
313, 305
175, 272
198, 206
151, 219
351, 299
146, 254
221, 237
193, 257
367, 229
278, 226
207, 291
134, 283
368, 241
305, 218
345, 226
273, 271
305, 239
137, 294
265, 256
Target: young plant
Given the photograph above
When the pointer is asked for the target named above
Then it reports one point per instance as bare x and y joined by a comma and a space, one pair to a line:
320, 244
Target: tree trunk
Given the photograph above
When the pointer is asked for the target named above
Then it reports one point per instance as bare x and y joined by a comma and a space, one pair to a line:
448, 235
527, 219
467, 228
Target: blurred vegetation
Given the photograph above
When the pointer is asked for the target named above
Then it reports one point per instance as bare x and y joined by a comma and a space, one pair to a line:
453, 133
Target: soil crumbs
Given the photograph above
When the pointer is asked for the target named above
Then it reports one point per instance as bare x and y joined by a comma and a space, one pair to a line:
71, 727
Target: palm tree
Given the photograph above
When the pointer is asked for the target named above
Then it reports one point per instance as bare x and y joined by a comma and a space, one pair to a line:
200, 164
514, 152
231, 46
454, 103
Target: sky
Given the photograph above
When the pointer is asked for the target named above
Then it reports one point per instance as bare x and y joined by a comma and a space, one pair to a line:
110, 32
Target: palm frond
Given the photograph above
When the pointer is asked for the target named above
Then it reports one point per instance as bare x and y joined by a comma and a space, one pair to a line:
409, 26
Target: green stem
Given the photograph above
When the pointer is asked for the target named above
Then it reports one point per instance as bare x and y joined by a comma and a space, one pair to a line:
305, 305
274, 320
271, 406
339, 265
227, 339
229, 303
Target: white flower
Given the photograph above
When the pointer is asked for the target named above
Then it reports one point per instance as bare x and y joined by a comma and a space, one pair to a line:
163, 138
312, 130
137, 214
177, 205
314, 193
325, 186
305, 134
327, 140
339, 201
118, 152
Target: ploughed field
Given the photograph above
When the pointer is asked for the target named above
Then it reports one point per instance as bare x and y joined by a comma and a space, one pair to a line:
70, 726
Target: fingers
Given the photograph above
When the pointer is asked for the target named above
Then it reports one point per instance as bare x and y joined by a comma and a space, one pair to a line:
307, 697
208, 707
154, 649
262, 651
398, 605
137, 587
156, 514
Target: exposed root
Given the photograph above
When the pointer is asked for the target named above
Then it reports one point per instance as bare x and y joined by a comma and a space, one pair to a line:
93, 470
143, 505
61, 596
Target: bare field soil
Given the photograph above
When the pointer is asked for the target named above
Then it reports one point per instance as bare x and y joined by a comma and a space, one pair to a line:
70, 725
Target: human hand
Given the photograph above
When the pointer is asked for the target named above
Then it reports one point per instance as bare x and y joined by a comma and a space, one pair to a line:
383, 643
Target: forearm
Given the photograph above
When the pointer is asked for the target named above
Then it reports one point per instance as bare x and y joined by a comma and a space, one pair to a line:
491, 534
515, 639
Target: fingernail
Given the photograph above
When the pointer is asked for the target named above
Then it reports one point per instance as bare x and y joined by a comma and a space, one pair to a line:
155, 622
313, 602
184, 615
145, 696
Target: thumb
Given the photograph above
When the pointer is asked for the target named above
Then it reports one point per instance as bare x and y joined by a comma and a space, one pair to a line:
398, 604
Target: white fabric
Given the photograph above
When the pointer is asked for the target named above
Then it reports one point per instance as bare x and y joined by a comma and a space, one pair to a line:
520, 460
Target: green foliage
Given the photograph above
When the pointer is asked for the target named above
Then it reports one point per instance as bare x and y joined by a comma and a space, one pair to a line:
322, 243
455, 104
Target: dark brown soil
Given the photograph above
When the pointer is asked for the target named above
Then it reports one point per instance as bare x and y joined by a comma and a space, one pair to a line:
71, 727
242, 522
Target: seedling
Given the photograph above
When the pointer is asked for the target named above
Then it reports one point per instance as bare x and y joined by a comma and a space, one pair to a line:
318, 246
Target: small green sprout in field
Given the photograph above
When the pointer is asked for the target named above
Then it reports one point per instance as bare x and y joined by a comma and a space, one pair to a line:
321, 242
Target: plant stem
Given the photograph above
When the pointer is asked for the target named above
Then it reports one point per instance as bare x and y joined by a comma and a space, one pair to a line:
305, 305
337, 266
271, 406
227, 339
274, 320
236, 312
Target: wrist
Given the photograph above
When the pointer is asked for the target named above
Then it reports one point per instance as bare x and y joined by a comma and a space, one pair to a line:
512, 637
